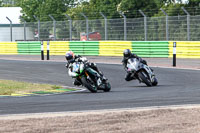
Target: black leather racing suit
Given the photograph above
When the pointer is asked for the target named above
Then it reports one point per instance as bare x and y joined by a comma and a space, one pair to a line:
124, 61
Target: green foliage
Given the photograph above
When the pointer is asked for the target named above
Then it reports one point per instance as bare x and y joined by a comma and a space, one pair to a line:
112, 8
193, 3
107, 7
93, 8
6, 3
42, 8
130, 8
171, 10
75, 12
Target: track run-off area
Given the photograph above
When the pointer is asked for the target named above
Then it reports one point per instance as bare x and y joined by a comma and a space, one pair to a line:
175, 87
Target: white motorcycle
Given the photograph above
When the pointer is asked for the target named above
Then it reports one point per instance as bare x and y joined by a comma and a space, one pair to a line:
141, 72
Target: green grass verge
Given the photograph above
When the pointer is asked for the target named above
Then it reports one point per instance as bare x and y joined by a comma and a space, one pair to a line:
8, 87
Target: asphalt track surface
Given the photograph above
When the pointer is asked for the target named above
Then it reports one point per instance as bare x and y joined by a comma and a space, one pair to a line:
176, 87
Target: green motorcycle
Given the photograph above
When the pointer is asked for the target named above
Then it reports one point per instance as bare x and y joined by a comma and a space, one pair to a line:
90, 77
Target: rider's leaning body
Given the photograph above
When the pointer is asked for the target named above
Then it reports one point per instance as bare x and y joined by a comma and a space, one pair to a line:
72, 58
127, 55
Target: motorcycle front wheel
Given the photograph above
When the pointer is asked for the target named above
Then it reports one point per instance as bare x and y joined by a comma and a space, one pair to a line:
144, 77
91, 87
155, 82
107, 87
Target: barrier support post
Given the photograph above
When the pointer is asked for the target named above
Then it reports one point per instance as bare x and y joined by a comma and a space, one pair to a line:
48, 50
42, 51
174, 54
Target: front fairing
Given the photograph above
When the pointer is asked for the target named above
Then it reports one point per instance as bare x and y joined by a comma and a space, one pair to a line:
133, 64
75, 67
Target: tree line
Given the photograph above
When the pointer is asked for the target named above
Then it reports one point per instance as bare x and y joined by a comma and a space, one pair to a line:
92, 8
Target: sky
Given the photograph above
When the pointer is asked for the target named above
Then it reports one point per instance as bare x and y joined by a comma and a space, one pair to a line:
12, 13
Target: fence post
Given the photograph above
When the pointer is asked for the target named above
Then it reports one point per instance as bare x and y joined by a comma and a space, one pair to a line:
167, 28
70, 26
105, 19
188, 23
24, 28
54, 27
10, 28
125, 31
145, 24
86, 25
38, 27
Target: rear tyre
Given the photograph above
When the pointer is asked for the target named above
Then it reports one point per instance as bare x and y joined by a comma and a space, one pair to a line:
145, 78
91, 87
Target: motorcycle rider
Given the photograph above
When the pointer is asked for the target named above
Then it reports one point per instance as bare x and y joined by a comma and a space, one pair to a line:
127, 55
71, 58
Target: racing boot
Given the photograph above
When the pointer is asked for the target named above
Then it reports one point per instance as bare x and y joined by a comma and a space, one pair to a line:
129, 77
77, 82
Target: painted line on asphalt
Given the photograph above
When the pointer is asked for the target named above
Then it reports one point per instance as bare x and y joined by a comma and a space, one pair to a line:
48, 92
87, 112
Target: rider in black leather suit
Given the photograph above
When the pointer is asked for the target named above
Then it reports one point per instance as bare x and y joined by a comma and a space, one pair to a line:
127, 55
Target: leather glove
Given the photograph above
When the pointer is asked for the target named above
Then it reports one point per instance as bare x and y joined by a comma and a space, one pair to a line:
67, 65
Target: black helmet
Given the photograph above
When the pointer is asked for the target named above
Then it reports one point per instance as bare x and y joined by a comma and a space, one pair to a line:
127, 53
69, 55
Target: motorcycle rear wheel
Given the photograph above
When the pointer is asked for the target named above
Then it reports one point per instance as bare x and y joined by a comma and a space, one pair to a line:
145, 78
91, 87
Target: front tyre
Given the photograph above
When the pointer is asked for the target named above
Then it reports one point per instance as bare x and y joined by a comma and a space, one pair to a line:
91, 87
145, 78
107, 87
155, 82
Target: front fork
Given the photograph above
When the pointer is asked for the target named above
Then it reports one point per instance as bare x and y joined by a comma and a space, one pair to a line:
150, 73
88, 77
97, 81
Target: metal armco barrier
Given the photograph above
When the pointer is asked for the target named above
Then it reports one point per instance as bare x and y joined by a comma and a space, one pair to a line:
85, 48
185, 49
8, 48
58, 47
161, 49
29, 48
113, 48
151, 48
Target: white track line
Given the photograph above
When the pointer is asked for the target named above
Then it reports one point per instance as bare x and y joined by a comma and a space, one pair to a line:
86, 112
